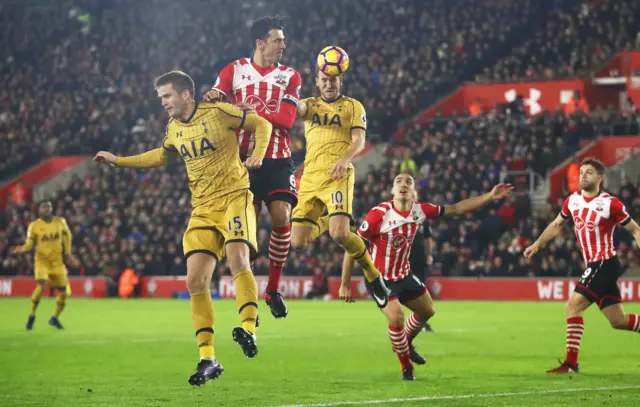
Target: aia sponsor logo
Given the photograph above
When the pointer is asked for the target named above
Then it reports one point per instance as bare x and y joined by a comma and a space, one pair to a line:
271, 106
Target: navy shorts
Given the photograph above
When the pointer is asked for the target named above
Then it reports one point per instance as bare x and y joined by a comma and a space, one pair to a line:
599, 282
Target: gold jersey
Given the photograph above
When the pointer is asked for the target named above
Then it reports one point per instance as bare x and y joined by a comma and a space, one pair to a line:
208, 145
327, 128
51, 239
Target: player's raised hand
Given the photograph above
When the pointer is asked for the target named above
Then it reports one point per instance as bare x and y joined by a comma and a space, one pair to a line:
501, 190
531, 250
339, 170
72, 261
245, 107
252, 163
212, 96
345, 293
15, 250
105, 157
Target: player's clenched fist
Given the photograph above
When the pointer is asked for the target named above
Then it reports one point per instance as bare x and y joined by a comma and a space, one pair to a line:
212, 96
105, 157
253, 163
531, 250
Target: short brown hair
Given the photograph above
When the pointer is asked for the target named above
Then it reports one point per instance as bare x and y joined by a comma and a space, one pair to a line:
595, 163
178, 79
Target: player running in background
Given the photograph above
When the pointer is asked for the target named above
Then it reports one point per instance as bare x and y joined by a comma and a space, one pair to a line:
261, 83
421, 257
390, 229
335, 128
51, 237
595, 215
223, 221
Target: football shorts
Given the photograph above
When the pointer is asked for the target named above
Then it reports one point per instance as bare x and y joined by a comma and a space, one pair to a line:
53, 270
274, 181
407, 289
319, 193
599, 282
230, 218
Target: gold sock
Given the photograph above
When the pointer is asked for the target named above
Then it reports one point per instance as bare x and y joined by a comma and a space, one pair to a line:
321, 227
35, 298
247, 299
61, 301
356, 248
202, 316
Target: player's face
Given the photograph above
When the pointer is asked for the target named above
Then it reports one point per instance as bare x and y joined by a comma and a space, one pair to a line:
174, 103
45, 209
329, 85
273, 47
589, 178
404, 188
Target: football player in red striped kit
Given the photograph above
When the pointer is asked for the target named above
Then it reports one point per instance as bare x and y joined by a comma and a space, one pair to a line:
595, 215
271, 89
390, 229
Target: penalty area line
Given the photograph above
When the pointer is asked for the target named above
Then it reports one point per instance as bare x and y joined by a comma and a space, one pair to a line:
464, 396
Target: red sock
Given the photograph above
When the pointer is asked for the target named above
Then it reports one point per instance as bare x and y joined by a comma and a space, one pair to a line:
634, 322
279, 244
575, 329
400, 344
414, 326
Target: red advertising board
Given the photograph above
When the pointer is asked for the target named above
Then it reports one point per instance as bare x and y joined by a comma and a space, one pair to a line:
94, 287
517, 289
41, 173
610, 150
623, 64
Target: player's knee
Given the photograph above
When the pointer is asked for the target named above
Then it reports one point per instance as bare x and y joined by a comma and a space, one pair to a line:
197, 282
238, 261
396, 319
299, 242
572, 309
280, 213
339, 233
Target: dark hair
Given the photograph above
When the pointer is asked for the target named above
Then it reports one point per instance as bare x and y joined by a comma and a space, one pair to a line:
45, 202
260, 28
595, 163
180, 81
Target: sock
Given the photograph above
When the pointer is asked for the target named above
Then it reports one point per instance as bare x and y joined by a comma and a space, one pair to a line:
575, 329
413, 327
247, 299
356, 248
202, 316
323, 226
634, 322
278, 251
35, 298
400, 344
61, 301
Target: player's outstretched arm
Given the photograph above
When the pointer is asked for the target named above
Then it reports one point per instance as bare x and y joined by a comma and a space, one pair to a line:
29, 243
262, 130
634, 229
345, 285
549, 233
469, 205
155, 158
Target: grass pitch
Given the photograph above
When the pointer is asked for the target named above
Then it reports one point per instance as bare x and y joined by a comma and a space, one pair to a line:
140, 353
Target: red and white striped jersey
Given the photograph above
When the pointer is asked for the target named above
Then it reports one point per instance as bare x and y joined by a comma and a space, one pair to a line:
391, 235
595, 219
273, 92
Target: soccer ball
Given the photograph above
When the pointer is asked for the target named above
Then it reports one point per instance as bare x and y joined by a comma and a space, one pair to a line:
333, 60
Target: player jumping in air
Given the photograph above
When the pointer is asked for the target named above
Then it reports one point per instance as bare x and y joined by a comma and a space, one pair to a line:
595, 215
390, 229
51, 238
335, 128
223, 221
262, 84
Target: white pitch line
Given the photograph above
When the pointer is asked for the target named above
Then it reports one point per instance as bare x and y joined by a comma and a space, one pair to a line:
464, 396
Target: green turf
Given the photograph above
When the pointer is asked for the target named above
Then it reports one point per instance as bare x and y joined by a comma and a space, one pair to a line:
140, 353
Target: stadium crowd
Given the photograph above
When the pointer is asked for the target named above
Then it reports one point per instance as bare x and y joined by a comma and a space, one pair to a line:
79, 80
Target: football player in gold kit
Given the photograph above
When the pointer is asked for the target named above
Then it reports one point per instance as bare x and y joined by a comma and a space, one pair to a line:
223, 220
335, 127
51, 238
